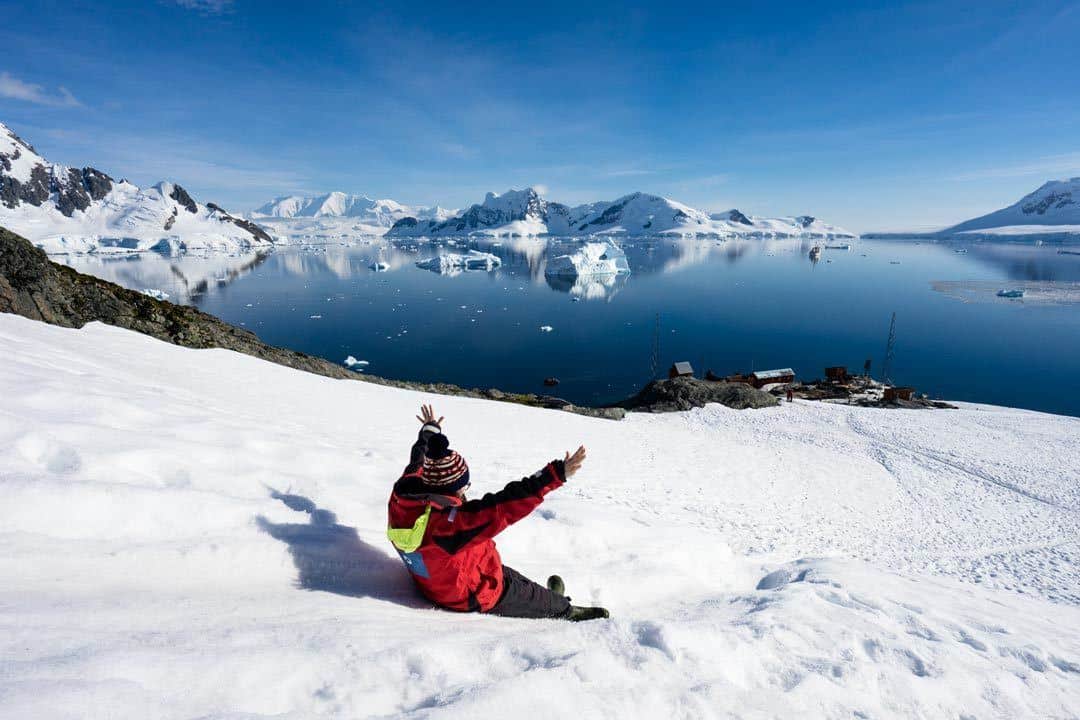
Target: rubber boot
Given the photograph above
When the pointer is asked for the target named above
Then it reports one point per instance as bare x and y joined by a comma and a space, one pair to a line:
580, 614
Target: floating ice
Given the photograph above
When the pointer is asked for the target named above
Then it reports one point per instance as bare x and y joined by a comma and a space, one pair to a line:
353, 362
456, 262
154, 293
546, 328
597, 258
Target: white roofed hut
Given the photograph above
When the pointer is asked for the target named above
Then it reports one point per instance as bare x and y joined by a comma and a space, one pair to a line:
781, 376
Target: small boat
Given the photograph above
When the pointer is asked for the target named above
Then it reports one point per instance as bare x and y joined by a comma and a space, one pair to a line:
960, 251
838, 246
1010, 293
1068, 252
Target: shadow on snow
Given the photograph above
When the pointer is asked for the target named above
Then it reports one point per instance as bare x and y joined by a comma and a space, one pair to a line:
332, 557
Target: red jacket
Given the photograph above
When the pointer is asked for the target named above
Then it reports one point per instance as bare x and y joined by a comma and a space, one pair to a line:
455, 563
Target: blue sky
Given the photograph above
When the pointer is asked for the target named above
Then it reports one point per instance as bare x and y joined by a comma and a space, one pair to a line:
909, 116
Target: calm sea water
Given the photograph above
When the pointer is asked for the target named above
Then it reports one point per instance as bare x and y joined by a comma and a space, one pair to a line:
726, 306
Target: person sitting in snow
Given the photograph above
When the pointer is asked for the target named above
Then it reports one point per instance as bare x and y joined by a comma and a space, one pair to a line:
446, 541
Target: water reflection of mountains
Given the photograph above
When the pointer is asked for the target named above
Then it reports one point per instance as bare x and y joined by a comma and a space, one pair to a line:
528, 257
1025, 262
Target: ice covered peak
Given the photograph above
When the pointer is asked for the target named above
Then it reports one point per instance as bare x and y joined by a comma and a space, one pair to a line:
1055, 203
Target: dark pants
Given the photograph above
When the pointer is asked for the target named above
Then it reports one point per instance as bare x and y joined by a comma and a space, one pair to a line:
523, 598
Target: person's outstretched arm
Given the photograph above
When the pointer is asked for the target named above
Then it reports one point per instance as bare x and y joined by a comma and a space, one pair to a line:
428, 426
486, 517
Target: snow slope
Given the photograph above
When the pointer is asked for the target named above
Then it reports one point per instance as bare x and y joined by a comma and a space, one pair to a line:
196, 533
525, 213
1052, 209
68, 210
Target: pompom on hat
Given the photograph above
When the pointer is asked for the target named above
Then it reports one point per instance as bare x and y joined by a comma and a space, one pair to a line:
445, 471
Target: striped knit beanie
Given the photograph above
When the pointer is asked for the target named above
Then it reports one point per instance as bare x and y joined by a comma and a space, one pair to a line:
444, 470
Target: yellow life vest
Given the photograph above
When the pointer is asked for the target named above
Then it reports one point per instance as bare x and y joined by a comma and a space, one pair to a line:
409, 539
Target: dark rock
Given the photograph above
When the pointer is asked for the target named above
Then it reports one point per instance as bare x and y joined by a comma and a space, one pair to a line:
171, 220
404, 224
70, 193
97, 183
736, 216
251, 227
34, 191
180, 195
683, 393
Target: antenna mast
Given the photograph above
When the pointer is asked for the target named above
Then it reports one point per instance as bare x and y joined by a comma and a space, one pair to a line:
890, 352
654, 366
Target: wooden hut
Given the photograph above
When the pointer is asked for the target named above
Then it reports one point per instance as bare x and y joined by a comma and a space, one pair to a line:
837, 374
681, 369
770, 377
892, 394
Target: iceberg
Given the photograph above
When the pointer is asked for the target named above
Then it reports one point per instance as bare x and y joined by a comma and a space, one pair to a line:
596, 258
456, 262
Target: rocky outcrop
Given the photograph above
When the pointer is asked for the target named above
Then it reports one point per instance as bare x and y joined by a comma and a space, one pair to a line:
683, 393
181, 196
251, 227
75, 189
34, 191
33, 286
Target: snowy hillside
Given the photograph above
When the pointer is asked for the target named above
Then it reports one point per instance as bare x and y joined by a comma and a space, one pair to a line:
1053, 208
181, 542
525, 213
64, 210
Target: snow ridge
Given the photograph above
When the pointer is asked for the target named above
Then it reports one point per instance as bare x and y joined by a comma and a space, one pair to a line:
382, 213
1054, 207
527, 213
65, 210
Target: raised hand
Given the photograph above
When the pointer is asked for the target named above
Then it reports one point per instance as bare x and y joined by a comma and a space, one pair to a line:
427, 415
572, 463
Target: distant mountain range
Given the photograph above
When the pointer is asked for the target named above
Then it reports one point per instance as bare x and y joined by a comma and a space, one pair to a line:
65, 209
526, 213
379, 213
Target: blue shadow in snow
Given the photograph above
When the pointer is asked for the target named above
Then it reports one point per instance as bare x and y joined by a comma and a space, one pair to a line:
332, 558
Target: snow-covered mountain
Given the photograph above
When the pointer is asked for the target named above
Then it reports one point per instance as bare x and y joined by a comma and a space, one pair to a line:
63, 209
1053, 208
336, 216
525, 213
383, 213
